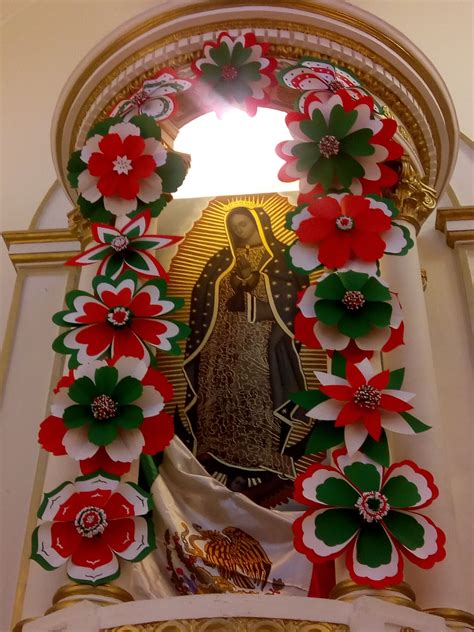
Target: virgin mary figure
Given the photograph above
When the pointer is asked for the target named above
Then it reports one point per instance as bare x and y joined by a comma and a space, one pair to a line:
241, 362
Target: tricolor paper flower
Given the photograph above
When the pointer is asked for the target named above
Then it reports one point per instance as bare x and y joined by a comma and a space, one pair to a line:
350, 312
126, 248
89, 523
360, 509
121, 319
237, 71
316, 77
124, 168
346, 231
365, 402
339, 145
155, 97
105, 415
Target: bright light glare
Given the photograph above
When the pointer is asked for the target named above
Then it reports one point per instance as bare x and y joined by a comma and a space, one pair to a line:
233, 155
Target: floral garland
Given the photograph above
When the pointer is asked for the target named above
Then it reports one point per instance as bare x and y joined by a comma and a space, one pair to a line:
109, 409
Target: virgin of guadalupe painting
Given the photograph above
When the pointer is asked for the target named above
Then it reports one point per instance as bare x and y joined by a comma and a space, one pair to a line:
241, 360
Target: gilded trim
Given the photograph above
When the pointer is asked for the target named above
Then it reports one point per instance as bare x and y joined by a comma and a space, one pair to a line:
37, 236
30, 258
461, 214
233, 624
401, 594
453, 615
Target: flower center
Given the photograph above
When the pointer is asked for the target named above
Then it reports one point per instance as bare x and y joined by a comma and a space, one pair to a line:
103, 407
328, 146
368, 397
122, 165
372, 506
344, 223
140, 98
119, 243
353, 300
229, 72
119, 316
91, 521
335, 85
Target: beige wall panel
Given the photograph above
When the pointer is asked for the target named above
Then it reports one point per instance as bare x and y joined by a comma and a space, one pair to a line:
26, 390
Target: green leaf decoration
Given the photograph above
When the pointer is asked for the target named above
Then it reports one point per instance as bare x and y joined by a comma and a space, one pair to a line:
329, 312
307, 399
313, 132
364, 476
103, 127
374, 290
129, 417
172, 172
336, 526
347, 169
336, 492
94, 211
83, 391
77, 415
323, 172
105, 379
150, 543
75, 166
379, 313
34, 552
407, 236
357, 143
401, 492
373, 547
323, 437
396, 379
415, 424
102, 433
338, 364
353, 280
148, 126
406, 529
331, 288
340, 121
354, 324
378, 451
127, 390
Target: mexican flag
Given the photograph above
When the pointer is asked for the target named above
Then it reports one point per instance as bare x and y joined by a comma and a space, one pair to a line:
211, 540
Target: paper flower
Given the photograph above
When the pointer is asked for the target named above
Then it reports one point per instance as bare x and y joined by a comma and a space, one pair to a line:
126, 248
343, 230
316, 77
89, 523
339, 145
155, 97
360, 509
105, 415
120, 319
124, 168
363, 403
237, 71
351, 312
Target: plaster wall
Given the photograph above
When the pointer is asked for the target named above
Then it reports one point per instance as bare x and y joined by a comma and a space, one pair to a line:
42, 41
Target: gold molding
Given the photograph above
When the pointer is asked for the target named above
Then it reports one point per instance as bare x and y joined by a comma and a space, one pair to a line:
37, 236
106, 590
233, 624
400, 594
415, 199
462, 213
453, 615
31, 258
332, 12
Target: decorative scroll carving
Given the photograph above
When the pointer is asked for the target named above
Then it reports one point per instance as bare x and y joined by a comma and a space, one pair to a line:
234, 624
79, 226
415, 199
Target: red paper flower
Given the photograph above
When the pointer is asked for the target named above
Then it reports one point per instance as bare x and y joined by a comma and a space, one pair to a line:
343, 230
121, 319
90, 522
106, 419
121, 168
126, 248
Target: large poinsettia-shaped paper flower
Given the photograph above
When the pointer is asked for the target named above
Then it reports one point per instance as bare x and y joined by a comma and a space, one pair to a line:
105, 415
89, 523
339, 145
313, 76
119, 249
351, 312
343, 230
363, 403
236, 71
123, 168
156, 97
120, 319
360, 509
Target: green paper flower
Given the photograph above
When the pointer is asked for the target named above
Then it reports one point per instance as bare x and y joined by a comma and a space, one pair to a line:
354, 302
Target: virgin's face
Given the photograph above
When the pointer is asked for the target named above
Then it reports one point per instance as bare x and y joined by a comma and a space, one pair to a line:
243, 226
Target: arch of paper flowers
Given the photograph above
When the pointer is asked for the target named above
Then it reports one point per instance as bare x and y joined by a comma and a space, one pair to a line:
109, 409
